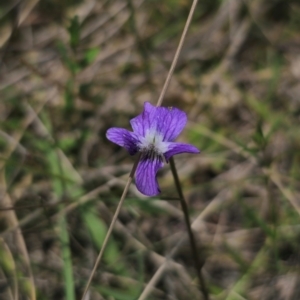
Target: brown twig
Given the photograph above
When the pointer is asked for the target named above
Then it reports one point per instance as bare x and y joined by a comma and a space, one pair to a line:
113, 221
175, 59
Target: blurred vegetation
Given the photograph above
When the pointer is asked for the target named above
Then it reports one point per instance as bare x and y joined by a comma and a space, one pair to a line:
69, 70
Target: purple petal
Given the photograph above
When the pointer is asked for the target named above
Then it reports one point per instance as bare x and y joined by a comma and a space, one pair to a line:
144, 121
146, 171
123, 138
169, 122
177, 148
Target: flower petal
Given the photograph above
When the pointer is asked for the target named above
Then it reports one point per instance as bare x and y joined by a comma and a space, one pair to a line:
177, 148
123, 138
144, 121
168, 122
145, 178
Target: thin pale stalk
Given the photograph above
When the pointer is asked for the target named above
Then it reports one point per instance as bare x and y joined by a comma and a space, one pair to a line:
184, 207
153, 281
113, 221
177, 53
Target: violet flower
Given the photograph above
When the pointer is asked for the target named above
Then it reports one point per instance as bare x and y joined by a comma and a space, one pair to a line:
154, 131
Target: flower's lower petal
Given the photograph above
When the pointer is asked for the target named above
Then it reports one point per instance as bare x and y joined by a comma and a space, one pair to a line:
177, 148
145, 178
123, 138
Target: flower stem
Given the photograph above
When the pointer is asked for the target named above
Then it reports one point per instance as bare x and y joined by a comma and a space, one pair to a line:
159, 102
184, 207
113, 221
175, 59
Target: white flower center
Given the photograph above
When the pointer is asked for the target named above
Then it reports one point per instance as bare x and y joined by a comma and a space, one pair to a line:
153, 142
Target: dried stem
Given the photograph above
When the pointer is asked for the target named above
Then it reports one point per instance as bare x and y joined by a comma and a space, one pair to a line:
159, 102
175, 59
184, 207
153, 281
113, 221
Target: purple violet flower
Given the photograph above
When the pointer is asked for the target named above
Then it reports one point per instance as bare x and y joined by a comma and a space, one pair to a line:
154, 131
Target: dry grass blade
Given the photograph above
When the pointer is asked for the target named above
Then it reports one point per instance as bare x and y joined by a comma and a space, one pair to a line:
177, 53
110, 229
151, 284
12, 221
196, 224
11, 216
5, 33
25, 9
271, 173
287, 193
8, 266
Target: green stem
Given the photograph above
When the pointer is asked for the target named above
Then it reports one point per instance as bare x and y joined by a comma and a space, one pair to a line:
66, 255
184, 207
63, 234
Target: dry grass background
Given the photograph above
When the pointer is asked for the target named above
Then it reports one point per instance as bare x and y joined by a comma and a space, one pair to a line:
69, 70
